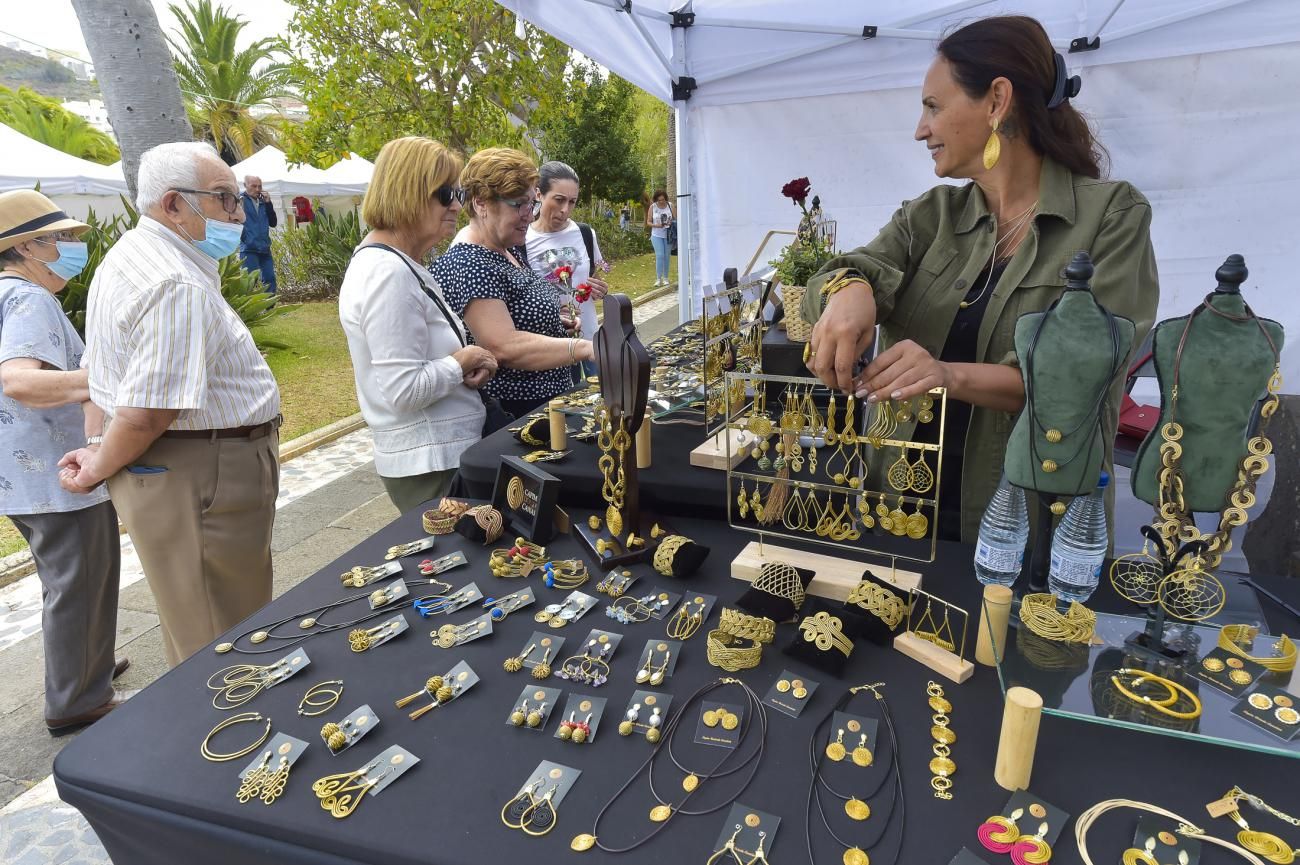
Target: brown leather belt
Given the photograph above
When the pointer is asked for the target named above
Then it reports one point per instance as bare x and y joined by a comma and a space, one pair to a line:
240, 432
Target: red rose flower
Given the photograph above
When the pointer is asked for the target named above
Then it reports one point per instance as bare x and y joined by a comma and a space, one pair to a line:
797, 190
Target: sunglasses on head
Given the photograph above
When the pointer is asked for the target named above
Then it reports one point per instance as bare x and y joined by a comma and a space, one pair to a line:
447, 193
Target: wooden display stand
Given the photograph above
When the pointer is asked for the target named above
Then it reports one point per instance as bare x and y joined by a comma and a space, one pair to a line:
643, 445
1019, 739
945, 663
559, 429
991, 641
834, 580
713, 453
949, 664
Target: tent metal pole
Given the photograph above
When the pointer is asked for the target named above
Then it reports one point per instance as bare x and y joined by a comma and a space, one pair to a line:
654, 46
1184, 15
1106, 20
824, 29
637, 9
780, 58
687, 236
950, 9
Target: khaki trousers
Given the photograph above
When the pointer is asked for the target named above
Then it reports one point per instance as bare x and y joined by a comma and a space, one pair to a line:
202, 529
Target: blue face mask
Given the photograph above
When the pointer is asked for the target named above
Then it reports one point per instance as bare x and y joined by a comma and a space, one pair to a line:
72, 258
222, 238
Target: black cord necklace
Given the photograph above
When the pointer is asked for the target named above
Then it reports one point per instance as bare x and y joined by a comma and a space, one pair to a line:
310, 625
856, 854
755, 715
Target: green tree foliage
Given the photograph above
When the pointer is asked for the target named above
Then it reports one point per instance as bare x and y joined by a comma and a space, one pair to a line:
592, 129
311, 259
651, 143
221, 84
373, 70
242, 290
48, 122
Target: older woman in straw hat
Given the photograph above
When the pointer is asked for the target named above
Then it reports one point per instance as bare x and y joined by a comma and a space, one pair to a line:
43, 390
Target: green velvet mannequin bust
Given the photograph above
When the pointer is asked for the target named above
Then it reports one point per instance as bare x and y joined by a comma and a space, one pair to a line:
1226, 363
1069, 357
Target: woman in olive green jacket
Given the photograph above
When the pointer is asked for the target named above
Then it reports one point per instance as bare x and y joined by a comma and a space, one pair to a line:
949, 275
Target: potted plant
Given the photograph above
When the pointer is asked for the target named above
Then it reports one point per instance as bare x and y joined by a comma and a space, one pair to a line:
799, 261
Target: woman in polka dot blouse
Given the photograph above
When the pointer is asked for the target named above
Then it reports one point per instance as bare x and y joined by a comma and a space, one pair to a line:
511, 311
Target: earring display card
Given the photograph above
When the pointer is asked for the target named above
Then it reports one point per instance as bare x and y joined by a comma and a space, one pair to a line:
582, 709
500, 608
747, 830
461, 598
1273, 709
1035, 814
361, 576
1229, 673
616, 583
965, 857
790, 693
534, 698
548, 777
355, 727
462, 677
645, 703
854, 727
387, 594
1159, 837
666, 601
544, 645
391, 765
658, 660
289, 666
400, 550
572, 608
697, 604
281, 745
442, 564
719, 724
451, 636
608, 640
386, 630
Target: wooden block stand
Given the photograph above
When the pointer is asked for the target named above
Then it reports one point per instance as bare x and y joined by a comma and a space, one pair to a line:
834, 579
943, 662
712, 454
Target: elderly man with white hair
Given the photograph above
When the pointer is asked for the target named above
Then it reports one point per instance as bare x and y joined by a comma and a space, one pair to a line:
259, 219
191, 440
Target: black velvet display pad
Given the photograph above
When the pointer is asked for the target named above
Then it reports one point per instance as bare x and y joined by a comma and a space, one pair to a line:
757, 602
688, 558
870, 626
139, 779
468, 527
535, 433
832, 660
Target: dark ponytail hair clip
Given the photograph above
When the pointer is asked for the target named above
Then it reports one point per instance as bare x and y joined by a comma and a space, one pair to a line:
1066, 86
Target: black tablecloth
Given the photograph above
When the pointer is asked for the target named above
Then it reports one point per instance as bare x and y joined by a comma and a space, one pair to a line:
138, 776
670, 486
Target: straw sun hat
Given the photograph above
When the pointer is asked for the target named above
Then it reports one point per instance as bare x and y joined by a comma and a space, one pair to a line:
25, 213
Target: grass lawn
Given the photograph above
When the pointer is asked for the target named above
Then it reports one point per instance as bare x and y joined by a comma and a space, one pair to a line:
10, 540
315, 372
635, 276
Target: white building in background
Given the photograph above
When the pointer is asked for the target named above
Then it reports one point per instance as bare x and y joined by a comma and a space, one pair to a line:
93, 111
84, 71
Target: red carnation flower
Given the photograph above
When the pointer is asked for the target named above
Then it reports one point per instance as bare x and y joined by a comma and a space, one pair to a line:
582, 293
797, 190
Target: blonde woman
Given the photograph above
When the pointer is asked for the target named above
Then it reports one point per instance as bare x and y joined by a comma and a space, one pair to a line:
417, 378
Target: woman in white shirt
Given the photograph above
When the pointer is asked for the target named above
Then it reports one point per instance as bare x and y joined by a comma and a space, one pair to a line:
657, 218
417, 379
554, 238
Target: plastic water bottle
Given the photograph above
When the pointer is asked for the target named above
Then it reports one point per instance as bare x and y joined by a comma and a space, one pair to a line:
1079, 546
1004, 531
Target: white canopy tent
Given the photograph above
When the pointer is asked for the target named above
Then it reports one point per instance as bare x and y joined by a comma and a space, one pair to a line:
1196, 102
76, 185
336, 188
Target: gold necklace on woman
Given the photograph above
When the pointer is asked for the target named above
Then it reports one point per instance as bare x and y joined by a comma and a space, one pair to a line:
1003, 248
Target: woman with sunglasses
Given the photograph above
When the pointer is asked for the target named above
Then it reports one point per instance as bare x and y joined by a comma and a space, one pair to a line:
416, 376
510, 310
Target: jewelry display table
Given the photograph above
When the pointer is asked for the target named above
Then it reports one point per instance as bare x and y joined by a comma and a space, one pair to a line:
139, 778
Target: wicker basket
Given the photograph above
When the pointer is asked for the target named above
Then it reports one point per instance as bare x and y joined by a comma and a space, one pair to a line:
796, 328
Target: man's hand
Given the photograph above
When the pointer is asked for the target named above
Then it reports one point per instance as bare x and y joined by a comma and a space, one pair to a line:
77, 471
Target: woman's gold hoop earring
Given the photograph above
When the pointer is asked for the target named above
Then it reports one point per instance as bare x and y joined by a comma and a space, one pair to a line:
992, 148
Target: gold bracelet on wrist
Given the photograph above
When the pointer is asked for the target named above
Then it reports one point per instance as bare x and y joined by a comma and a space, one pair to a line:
722, 651
760, 629
1233, 637
838, 282
826, 632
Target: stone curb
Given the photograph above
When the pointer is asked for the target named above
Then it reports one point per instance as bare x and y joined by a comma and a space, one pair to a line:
18, 565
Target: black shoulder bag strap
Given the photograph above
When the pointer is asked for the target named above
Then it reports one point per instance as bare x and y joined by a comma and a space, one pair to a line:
589, 241
438, 301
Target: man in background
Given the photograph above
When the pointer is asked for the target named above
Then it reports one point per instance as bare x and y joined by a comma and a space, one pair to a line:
259, 219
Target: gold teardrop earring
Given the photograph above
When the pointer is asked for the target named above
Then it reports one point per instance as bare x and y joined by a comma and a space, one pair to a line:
992, 148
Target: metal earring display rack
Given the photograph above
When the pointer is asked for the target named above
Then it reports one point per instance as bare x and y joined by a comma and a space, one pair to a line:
835, 576
924, 646
731, 332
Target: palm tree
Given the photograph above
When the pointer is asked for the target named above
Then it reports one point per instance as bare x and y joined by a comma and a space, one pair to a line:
135, 75
46, 121
223, 85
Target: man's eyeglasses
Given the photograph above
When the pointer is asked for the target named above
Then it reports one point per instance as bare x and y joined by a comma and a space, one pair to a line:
447, 193
229, 200
525, 203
